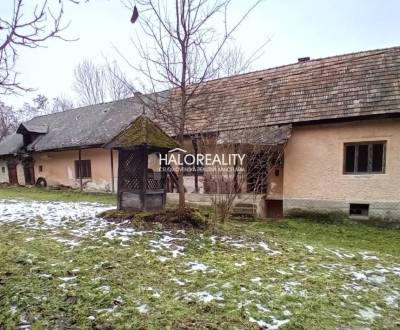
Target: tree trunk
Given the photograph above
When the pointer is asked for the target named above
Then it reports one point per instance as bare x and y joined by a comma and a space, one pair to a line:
181, 188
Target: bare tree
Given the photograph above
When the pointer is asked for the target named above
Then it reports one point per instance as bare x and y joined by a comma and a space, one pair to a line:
100, 83
179, 43
8, 120
61, 103
41, 105
25, 30
253, 154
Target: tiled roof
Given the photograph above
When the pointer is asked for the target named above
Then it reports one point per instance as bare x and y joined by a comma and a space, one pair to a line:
352, 85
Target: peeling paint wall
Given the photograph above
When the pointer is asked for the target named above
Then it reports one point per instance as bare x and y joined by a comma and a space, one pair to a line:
58, 168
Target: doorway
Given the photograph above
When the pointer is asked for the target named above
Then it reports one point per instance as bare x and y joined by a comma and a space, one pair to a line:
12, 173
29, 172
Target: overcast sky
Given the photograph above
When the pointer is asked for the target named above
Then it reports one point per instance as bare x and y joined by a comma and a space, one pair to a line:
315, 28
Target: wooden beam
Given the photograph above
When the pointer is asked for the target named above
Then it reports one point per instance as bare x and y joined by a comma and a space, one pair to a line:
80, 169
112, 169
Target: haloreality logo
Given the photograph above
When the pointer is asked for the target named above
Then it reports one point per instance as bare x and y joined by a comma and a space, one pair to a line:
182, 158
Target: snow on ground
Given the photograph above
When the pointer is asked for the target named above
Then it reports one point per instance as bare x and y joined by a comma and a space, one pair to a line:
69, 223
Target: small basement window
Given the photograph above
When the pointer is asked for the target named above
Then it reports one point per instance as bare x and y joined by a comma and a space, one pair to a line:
86, 169
360, 210
364, 158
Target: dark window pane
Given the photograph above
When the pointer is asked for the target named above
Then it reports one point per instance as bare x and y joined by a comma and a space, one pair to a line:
377, 157
86, 169
350, 156
362, 158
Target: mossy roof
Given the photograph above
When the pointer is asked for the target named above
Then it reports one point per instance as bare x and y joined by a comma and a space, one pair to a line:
142, 131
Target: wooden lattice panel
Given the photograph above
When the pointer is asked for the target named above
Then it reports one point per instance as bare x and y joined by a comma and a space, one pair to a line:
131, 170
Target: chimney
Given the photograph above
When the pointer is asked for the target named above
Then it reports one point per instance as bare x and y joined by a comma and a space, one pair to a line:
303, 59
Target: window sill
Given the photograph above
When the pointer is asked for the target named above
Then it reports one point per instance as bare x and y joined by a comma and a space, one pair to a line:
364, 174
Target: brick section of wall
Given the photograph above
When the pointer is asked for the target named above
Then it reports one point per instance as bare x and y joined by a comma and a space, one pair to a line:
378, 210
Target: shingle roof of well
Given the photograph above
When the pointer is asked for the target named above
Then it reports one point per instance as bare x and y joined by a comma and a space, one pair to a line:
346, 86
142, 131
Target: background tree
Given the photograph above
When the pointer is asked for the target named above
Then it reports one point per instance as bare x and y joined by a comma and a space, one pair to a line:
8, 120
61, 103
23, 29
96, 83
179, 44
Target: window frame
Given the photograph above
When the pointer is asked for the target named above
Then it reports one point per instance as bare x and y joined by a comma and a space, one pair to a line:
78, 167
370, 157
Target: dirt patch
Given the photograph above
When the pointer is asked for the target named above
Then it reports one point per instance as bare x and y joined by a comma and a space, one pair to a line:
169, 218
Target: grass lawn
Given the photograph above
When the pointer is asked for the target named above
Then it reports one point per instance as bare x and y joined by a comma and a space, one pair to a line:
63, 268
41, 194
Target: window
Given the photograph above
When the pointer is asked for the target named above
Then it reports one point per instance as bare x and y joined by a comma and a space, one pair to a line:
40, 168
3, 170
364, 157
86, 169
360, 210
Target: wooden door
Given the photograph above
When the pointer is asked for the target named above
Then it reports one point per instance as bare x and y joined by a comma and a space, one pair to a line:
12, 173
29, 173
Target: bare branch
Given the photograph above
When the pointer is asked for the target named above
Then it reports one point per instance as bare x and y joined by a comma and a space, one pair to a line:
25, 30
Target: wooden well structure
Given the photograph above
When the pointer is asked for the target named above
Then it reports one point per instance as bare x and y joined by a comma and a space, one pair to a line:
141, 188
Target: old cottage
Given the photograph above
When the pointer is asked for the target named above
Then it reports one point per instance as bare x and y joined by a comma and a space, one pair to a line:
340, 118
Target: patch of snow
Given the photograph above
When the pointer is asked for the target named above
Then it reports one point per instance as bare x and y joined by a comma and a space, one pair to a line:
262, 308
365, 256
196, 267
265, 247
204, 296
359, 276
392, 301
376, 279
309, 248
104, 288
142, 309
67, 278
179, 282
162, 258
256, 280
275, 324
340, 254
368, 314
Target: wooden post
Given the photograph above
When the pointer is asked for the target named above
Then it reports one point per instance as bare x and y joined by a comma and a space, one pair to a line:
143, 153
119, 182
196, 174
80, 169
112, 169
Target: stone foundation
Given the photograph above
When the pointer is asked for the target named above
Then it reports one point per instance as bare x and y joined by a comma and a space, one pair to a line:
338, 210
